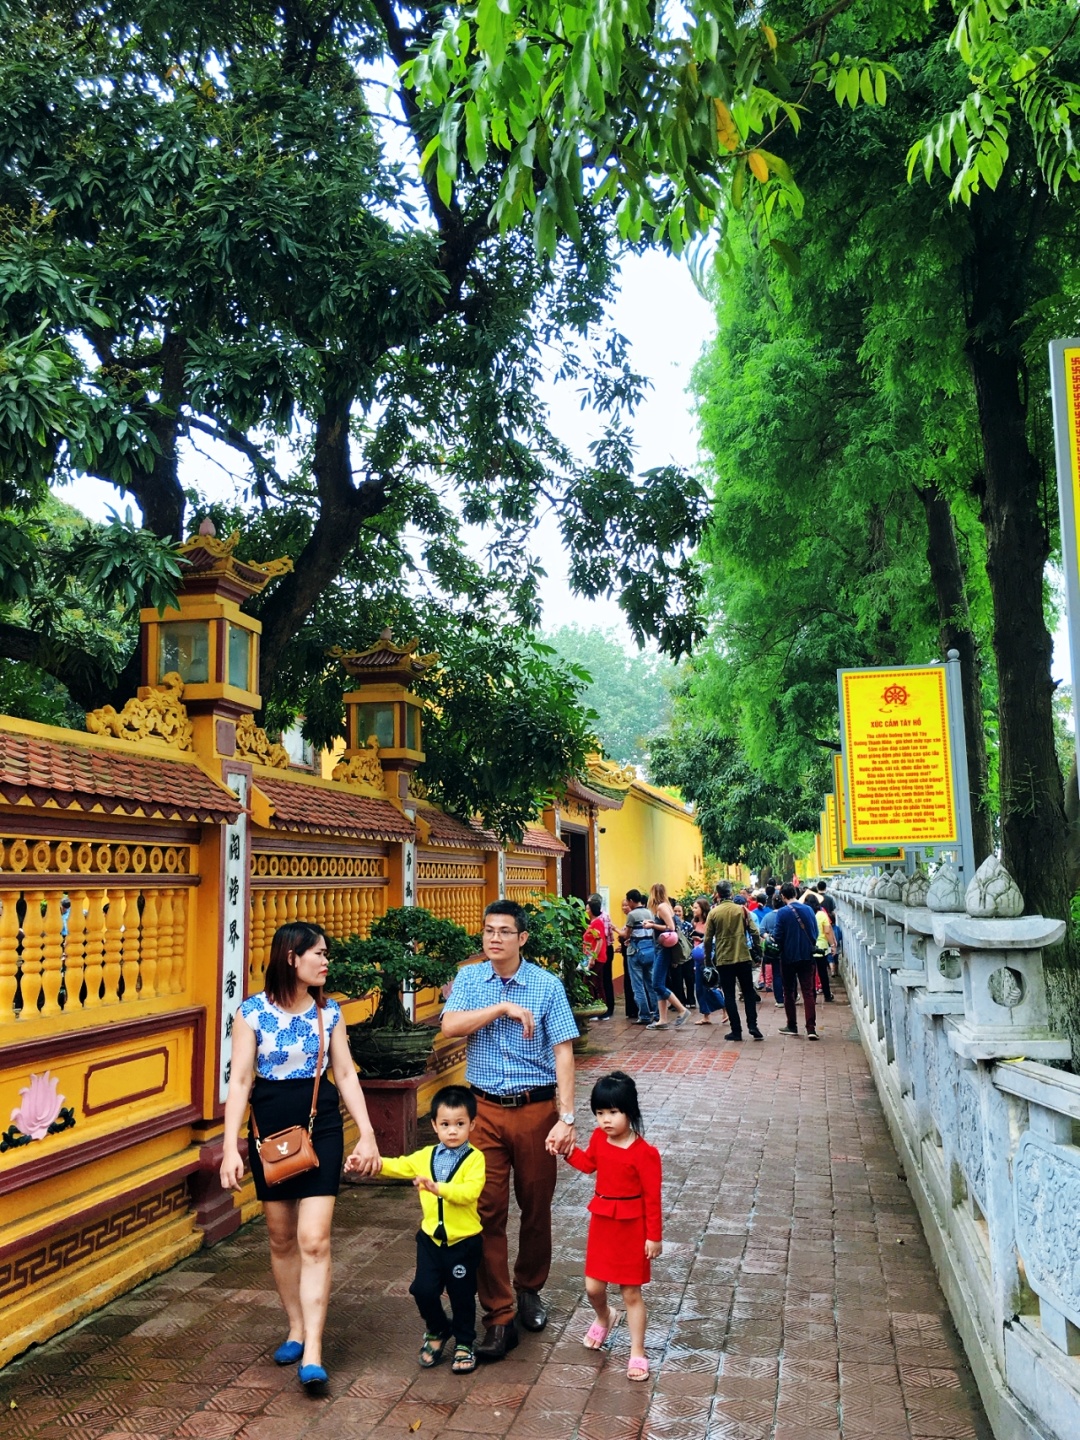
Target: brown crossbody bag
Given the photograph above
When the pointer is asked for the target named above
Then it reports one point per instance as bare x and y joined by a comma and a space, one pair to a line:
291, 1152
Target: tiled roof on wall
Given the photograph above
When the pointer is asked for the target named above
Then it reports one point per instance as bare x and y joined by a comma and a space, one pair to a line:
580, 791
447, 830
44, 772
537, 838
332, 810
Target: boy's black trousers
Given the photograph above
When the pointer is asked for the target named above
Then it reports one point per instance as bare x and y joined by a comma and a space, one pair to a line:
451, 1268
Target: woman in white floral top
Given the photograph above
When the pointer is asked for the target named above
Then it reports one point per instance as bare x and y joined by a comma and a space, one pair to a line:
275, 1036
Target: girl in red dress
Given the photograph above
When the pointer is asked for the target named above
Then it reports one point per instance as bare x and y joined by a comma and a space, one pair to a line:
625, 1228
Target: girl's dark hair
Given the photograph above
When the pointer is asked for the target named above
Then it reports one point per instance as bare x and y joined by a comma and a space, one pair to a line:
618, 1092
281, 984
810, 898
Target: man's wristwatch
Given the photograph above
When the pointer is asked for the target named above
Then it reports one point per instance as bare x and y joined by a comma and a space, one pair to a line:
567, 1117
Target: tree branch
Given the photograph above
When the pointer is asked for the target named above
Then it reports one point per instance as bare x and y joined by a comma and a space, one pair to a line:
343, 508
229, 435
27, 646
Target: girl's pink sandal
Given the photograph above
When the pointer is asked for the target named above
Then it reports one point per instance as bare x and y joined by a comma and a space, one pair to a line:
598, 1332
638, 1368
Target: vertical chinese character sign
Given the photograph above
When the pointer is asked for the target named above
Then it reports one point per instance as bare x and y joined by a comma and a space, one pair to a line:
1065, 392
234, 926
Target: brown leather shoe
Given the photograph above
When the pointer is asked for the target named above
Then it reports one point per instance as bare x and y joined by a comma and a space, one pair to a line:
497, 1341
531, 1312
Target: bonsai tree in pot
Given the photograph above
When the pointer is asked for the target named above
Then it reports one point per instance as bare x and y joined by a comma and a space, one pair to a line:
408, 950
556, 929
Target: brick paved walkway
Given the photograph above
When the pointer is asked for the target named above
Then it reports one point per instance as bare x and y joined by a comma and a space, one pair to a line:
795, 1299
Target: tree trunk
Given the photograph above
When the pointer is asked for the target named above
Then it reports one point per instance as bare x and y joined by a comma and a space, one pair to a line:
343, 508
1033, 826
947, 578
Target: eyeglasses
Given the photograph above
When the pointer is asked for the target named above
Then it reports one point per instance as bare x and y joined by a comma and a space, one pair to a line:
490, 934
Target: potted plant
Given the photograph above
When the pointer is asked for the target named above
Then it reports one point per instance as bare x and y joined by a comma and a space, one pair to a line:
408, 950
556, 929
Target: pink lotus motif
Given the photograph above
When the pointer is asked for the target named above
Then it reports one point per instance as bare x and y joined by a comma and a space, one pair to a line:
41, 1102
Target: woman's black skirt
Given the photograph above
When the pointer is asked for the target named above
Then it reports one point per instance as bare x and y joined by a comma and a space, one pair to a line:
277, 1105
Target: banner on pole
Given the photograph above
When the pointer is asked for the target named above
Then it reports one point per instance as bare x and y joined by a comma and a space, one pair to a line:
1065, 396
898, 760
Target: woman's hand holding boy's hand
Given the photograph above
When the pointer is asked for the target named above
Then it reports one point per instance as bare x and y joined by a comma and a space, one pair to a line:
365, 1158
653, 1249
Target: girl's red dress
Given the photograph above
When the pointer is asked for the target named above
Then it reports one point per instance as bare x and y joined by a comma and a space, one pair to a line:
625, 1209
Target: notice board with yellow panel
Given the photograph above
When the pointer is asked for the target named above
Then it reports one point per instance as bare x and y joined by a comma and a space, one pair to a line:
899, 762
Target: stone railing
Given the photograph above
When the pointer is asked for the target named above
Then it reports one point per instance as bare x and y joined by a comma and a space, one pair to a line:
951, 1008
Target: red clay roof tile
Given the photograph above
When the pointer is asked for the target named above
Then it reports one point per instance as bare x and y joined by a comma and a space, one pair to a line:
448, 830
333, 810
46, 771
537, 838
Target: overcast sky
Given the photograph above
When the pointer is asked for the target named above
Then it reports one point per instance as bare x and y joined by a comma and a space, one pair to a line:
667, 323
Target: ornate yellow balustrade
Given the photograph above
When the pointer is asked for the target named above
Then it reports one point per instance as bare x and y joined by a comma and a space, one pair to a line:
452, 886
341, 887
89, 925
526, 877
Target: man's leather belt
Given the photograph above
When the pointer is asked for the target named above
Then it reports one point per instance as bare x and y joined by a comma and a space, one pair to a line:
515, 1101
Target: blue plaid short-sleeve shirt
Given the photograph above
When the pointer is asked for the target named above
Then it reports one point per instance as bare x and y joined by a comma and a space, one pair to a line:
498, 1057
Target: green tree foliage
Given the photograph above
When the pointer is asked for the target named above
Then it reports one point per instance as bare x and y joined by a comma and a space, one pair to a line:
744, 817
671, 116
663, 115
630, 693
70, 593
203, 235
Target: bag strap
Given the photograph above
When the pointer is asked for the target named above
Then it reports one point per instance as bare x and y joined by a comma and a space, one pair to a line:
318, 1077
799, 919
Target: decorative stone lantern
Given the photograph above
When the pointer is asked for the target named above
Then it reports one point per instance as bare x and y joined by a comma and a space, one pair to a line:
383, 716
207, 641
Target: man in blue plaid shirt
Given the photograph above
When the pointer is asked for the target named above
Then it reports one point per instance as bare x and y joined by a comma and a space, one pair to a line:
519, 1033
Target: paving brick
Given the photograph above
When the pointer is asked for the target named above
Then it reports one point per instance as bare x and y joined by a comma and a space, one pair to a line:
783, 1307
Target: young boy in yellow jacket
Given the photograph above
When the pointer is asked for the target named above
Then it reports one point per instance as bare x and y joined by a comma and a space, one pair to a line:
449, 1176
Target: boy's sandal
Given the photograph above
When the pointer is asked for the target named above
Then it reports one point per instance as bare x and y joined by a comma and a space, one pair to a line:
429, 1356
598, 1332
638, 1368
464, 1362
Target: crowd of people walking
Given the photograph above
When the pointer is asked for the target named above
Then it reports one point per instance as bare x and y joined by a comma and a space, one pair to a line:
733, 945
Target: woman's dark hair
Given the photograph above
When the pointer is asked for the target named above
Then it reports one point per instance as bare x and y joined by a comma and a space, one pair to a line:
618, 1092
281, 983
811, 899
704, 902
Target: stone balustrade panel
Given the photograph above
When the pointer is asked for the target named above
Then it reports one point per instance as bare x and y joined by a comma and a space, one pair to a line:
951, 1010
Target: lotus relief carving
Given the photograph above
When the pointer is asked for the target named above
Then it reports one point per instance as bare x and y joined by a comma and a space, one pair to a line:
40, 1113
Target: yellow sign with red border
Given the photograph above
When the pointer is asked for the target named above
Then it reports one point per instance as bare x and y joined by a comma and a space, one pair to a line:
899, 783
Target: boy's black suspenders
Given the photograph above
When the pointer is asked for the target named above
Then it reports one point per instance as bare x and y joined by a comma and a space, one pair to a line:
440, 1228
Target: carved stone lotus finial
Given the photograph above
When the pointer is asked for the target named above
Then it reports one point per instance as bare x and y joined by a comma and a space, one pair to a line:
917, 889
993, 894
946, 893
891, 887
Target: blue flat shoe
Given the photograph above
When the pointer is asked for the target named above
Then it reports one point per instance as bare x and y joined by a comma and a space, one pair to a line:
312, 1376
288, 1352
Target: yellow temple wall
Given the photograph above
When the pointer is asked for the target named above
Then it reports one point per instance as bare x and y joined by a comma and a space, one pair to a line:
652, 839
